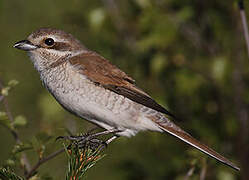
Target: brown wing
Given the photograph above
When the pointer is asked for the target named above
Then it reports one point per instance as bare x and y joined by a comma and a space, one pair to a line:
103, 73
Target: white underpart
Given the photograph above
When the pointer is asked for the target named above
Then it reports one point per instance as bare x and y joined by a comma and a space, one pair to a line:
101, 106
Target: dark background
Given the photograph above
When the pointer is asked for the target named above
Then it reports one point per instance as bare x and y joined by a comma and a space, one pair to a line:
188, 55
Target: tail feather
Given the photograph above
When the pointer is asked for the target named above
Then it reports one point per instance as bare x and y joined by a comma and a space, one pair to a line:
171, 128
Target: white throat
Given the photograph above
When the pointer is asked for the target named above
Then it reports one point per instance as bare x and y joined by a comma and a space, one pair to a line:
42, 62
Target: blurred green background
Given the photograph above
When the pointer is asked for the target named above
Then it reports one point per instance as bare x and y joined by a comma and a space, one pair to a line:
188, 55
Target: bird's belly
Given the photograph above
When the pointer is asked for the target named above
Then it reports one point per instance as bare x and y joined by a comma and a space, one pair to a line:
99, 105
107, 113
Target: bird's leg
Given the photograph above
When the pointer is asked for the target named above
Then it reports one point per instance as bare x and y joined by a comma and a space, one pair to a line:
91, 140
108, 141
111, 131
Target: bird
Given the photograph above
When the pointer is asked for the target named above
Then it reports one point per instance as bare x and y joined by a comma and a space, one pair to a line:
89, 86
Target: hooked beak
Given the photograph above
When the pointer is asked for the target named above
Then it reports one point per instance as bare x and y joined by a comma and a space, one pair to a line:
25, 45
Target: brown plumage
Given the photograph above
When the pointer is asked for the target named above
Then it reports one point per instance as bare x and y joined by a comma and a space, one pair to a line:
109, 97
103, 73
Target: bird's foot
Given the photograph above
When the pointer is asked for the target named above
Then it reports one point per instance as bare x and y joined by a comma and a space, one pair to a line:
90, 140
84, 141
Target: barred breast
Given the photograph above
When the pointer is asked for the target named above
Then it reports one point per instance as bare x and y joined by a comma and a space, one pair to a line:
76, 93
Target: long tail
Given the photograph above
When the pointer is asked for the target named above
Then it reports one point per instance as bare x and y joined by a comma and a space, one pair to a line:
169, 127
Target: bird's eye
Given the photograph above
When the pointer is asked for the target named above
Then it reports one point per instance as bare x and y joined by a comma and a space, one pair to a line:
49, 41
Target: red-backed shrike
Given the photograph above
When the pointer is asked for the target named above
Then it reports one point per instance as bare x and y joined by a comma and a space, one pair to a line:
89, 86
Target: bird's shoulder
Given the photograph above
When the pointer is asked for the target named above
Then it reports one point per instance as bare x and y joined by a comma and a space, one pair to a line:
103, 73
99, 69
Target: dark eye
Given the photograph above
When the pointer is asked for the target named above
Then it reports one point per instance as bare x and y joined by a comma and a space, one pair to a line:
49, 41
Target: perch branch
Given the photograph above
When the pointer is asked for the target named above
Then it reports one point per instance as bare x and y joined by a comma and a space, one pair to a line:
43, 160
244, 23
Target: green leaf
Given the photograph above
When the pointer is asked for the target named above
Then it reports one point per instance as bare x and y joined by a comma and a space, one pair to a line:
13, 83
5, 91
21, 147
143, 3
96, 18
10, 162
3, 115
158, 63
5, 120
6, 174
19, 121
218, 68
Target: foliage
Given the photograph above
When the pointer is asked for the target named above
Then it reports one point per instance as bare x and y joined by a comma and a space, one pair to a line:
6, 174
80, 160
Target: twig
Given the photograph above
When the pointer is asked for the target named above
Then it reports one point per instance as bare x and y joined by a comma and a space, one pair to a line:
54, 154
240, 106
244, 23
189, 173
6, 105
24, 158
43, 160
203, 172
1, 98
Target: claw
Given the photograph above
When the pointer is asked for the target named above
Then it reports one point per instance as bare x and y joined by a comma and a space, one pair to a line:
60, 137
90, 140
71, 138
83, 141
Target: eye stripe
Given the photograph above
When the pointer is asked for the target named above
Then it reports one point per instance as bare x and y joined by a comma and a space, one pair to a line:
61, 46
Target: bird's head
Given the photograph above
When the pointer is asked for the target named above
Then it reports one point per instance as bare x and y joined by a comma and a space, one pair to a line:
46, 46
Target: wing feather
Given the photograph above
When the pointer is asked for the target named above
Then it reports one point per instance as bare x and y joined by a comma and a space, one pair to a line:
102, 72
